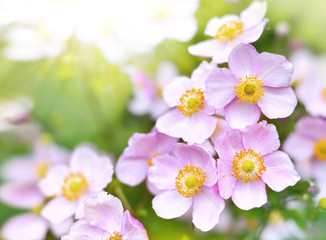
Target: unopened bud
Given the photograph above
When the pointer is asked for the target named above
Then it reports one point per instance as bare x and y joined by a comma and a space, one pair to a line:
313, 190
322, 203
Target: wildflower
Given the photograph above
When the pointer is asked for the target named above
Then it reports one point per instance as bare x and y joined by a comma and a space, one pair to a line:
231, 30
105, 219
187, 179
192, 118
254, 83
248, 160
87, 175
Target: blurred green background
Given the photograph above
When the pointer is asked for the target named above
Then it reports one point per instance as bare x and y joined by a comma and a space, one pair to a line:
79, 97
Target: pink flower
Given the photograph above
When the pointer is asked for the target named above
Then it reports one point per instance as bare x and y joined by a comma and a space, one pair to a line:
187, 179
231, 30
307, 146
105, 219
192, 119
87, 175
248, 160
132, 166
255, 83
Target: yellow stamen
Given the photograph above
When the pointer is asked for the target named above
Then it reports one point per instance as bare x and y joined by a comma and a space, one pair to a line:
323, 93
189, 180
191, 102
320, 149
248, 166
228, 31
74, 186
116, 236
37, 209
249, 90
149, 162
42, 170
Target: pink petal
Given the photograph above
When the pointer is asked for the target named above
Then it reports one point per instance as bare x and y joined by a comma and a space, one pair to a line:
164, 171
63, 228
226, 180
220, 131
207, 48
274, 70
207, 208
151, 188
200, 127
249, 195
104, 212
20, 170
173, 123
192, 155
280, 172
21, 195
25, 227
299, 147
278, 102
252, 34
132, 229
242, 60
201, 73
51, 185
131, 171
164, 143
261, 137
171, 204
219, 88
140, 145
239, 115
59, 209
81, 230
253, 14
175, 89
98, 170
313, 128
230, 145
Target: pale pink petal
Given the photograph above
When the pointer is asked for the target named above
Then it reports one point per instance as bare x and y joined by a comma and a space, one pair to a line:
81, 230
273, 69
175, 89
21, 195
201, 73
239, 115
59, 209
261, 137
215, 23
104, 212
62, 228
254, 14
220, 131
278, 102
132, 229
222, 55
242, 60
226, 180
173, 123
25, 227
51, 185
164, 143
207, 48
171, 204
98, 170
20, 170
249, 195
280, 172
200, 127
164, 171
192, 155
230, 145
252, 34
299, 147
151, 188
208, 147
220, 88
140, 145
131, 171
207, 208
80, 209
313, 128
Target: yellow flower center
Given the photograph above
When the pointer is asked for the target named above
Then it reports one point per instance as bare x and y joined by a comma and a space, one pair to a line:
189, 180
228, 31
323, 93
249, 90
320, 149
42, 170
149, 162
248, 166
191, 102
74, 186
116, 236
37, 209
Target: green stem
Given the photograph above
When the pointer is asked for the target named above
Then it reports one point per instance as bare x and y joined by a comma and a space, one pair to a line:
123, 198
